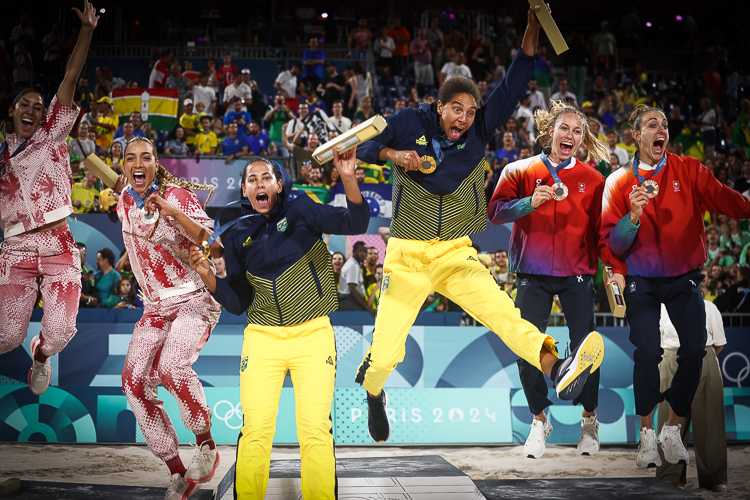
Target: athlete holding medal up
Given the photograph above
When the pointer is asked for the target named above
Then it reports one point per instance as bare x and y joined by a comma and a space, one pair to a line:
652, 216
555, 250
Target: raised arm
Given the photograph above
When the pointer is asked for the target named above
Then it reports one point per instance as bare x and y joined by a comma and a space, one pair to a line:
67, 87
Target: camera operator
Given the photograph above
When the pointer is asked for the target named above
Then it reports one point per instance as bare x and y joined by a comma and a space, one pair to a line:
276, 117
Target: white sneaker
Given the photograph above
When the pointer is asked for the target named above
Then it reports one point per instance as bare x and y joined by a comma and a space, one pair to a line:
589, 442
648, 456
40, 374
537, 440
179, 489
203, 465
671, 444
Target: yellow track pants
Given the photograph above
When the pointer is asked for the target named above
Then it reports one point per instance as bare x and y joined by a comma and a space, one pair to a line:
412, 269
308, 351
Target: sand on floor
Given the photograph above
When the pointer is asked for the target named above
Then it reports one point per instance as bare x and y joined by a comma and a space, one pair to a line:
135, 465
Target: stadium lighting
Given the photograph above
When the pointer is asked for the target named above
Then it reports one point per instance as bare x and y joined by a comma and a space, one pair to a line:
678, 18
324, 15
102, 10
648, 25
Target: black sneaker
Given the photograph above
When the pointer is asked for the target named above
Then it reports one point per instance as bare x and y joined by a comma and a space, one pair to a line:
577, 367
377, 419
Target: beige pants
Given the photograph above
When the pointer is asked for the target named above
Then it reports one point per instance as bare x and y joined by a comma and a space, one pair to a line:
707, 417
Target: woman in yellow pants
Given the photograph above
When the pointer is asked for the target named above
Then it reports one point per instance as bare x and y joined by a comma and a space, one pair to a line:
279, 272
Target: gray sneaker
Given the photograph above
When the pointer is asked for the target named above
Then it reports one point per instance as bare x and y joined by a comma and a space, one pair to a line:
589, 442
179, 489
671, 444
40, 374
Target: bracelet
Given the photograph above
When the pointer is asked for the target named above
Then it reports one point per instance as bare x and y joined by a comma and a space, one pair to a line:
88, 301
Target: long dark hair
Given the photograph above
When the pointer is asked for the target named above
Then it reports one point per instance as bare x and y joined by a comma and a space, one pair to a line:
131, 294
7, 123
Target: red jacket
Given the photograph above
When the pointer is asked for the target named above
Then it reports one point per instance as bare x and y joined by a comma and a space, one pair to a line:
670, 239
559, 238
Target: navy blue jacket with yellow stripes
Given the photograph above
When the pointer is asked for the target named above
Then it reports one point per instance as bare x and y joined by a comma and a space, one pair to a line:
449, 202
278, 268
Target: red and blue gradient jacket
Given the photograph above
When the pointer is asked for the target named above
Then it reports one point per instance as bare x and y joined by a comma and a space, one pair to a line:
559, 238
669, 239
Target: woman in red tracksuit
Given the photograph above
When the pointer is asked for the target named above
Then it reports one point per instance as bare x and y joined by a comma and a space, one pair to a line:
554, 203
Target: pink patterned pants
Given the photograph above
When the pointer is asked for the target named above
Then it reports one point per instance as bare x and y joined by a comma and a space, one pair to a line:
53, 256
165, 344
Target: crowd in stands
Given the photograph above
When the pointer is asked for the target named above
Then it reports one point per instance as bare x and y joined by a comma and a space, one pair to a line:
223, 112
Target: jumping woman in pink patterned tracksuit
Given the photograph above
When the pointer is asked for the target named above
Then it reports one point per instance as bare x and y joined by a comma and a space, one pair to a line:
35, 187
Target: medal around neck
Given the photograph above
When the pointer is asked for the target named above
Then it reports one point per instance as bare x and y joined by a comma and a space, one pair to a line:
651, 187
560, 191
428, 164
148, 218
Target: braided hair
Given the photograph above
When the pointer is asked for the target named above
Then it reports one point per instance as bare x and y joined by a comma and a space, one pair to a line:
548, 119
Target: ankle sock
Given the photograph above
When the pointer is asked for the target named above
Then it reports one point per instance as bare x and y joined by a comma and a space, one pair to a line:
39, 356
176, 466
205, 438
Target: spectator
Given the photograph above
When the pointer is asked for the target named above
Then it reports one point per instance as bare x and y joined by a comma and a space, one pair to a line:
717, 255
82, 145
337, 262
364, 112
587, 108
77, 172
544, 73
363, 82
435, 36
614, 149
286, 83
524, 152
706, 413
563, 94
206, 141
313, 60
301, 155
240, 89
596, 129
106, 277
22, 31
189, 123
606, 112
191, 75
234, 145
247, 80
127, 129
421, 49
372, 173
87, 277
401, 38
400, 103
260, 144
454, 67
114, 82
614, 163
627, 142
213, 81
333, 86
339, 122
351, 282
383, 48
605, 52
578, 61
361, 38
227, 71
114, 157
135, 119
217, 127
313, 102
160, 71
317, 177
742, 184
524, 111
275, 118
455, 40
177, 145
707, 123
220, 266
52, 44
124, 296
203, 93
236, 115
178, 81
298, 124
359, 174
85, 196
106, 123
102, 88
538, 99
507, 154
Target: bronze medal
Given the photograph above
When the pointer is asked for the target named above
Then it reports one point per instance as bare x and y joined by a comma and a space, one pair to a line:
651, 187
428, 164
560, 191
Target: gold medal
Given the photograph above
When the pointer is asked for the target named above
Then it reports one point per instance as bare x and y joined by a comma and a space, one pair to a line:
428, 164
651, 187
560, 191
206, 249
148, 218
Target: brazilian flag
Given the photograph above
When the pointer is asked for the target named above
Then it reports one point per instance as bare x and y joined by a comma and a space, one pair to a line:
319, 194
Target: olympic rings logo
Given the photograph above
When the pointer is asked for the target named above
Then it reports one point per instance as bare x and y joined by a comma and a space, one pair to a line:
742, 374
232, 412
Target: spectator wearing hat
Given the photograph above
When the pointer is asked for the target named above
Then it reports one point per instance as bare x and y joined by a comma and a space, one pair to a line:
188, 121
160, 71
236, 115
313, 101
75, 168
313, 60
105, 122
240, 89
227, 71
333, 86
588, 109
286, 83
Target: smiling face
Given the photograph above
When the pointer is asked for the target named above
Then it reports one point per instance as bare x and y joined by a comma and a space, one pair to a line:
337, 261
312, 141
140, 165
261, 187
652, 137
567, 135
27, 114
457, 116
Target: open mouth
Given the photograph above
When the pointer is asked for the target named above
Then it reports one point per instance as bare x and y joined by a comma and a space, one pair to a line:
659, 145
455, 133
27, 124
566, 148
139, 179
262, 199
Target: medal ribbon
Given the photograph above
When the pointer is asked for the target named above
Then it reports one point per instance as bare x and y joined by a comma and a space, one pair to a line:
658, 168
554, 170
140, 202
4, 149
219, 228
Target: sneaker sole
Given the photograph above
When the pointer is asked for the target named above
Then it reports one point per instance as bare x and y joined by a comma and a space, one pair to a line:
588, 358
192, 490
386, 418
206, 478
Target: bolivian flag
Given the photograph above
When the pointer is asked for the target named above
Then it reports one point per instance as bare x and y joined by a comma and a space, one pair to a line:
157, 106
319, 194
